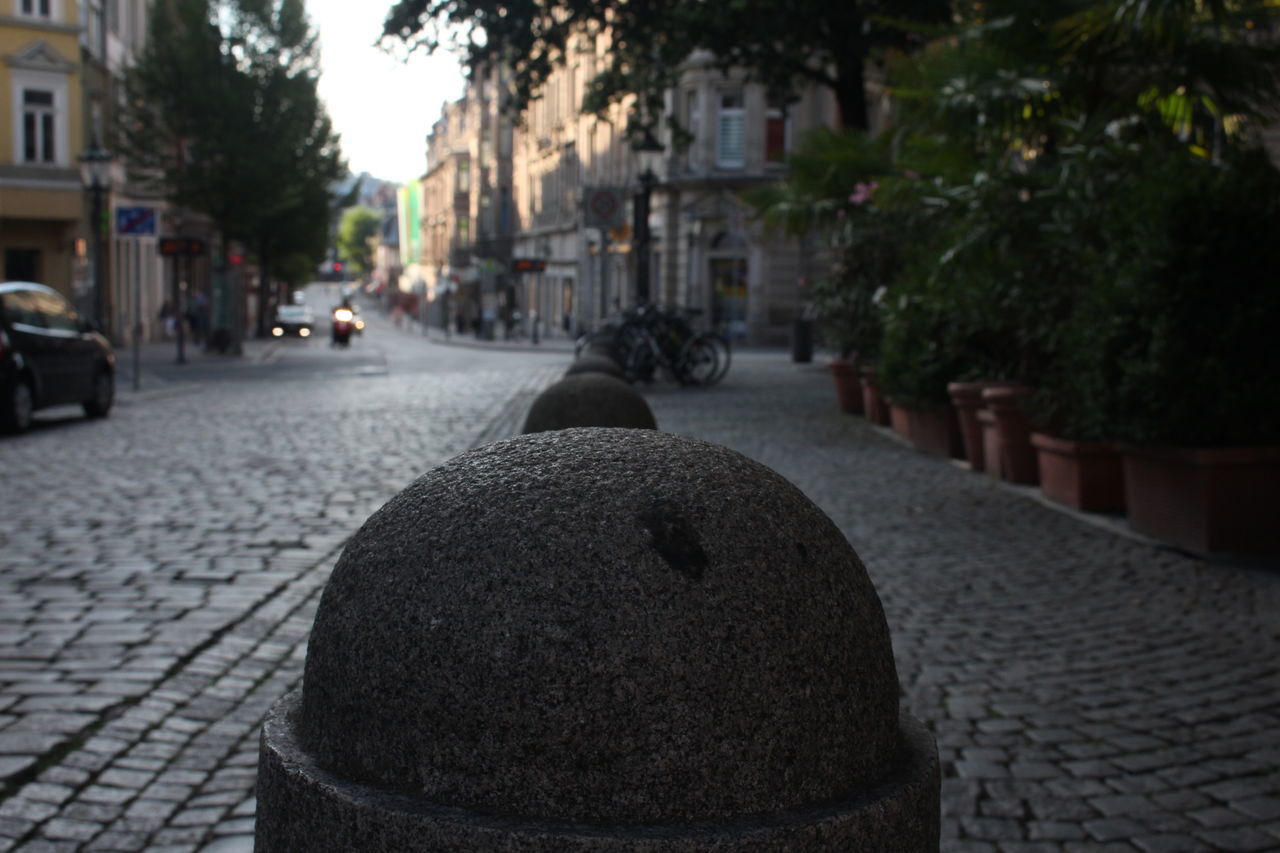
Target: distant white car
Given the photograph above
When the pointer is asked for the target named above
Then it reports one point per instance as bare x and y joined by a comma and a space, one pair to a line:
293, 320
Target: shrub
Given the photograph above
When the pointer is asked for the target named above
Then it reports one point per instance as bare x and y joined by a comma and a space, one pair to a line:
1172, 339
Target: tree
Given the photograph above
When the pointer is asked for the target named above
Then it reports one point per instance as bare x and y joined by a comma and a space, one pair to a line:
783, 45
355, 231
222, 117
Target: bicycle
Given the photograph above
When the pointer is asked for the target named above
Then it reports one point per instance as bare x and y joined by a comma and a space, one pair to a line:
649, 338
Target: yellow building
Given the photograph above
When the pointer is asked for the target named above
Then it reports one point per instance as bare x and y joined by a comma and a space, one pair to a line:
41, 139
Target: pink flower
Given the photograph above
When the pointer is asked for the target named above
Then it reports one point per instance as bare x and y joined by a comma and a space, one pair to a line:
862, 192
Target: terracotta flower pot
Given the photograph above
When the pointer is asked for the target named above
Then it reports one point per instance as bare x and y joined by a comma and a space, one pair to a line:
1013, 429
873, 402
899, 420
844, 372
1213, 500
966, 397
935, 430
1086, 475
990, 441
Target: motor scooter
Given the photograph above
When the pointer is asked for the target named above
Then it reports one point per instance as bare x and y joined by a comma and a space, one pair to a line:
343, 325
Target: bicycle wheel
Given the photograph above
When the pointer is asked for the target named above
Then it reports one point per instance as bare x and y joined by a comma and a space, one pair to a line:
636, 349
720, 347
699, 364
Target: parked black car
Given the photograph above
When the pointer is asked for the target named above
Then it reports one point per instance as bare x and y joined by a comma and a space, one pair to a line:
49, 356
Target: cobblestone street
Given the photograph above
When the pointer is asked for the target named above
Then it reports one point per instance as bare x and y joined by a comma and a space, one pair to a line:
159, 571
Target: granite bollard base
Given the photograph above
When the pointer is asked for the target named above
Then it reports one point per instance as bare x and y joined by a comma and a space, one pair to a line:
598, 639
303, 807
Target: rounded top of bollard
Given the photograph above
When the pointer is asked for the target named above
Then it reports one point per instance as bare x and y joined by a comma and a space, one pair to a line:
603, 625
589, 400
590, 362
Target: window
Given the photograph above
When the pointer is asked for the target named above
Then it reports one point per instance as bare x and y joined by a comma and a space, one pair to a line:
21, 309
39, 142
777, 131
730, 127
38, 124
36, 8
22, 265
58, 314
94, 32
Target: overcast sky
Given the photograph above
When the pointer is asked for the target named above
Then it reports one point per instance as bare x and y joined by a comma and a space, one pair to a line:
382, 106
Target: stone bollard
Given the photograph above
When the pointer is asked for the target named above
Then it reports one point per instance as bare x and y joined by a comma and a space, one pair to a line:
596, 363
598, 640
589, 400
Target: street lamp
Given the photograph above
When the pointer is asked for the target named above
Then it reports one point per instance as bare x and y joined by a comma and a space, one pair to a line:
95, 173
648, 155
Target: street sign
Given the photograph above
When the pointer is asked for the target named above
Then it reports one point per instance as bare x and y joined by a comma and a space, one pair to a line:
140, 221
181, 246
604, 206
528, 264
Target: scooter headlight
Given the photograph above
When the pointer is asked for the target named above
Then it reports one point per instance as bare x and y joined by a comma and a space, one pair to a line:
343, 315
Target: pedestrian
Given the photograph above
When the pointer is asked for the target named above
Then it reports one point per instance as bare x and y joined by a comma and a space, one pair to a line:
199, 316
168, 319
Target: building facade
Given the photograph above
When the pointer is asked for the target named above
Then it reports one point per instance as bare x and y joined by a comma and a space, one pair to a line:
42, 135
706, 255
468, 217
62, 65
139, 281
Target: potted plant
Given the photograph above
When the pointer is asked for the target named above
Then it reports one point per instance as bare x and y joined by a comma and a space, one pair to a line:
1173, 350
1009, 436
830, 190
917, 359
844, 373
966, 400
873, 402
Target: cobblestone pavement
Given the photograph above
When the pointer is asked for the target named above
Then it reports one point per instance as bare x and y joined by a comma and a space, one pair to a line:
1088, 691
158, 574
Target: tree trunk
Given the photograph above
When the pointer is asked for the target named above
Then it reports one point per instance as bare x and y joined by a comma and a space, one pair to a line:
236, 294
851, 95
264, 290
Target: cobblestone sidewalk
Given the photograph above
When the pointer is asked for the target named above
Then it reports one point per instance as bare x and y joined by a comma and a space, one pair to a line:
1089, 692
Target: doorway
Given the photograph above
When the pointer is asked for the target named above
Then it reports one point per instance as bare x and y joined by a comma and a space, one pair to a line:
729, 297
22, 265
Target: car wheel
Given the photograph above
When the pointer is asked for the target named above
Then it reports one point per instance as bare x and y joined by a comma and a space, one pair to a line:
16, 414
104, 394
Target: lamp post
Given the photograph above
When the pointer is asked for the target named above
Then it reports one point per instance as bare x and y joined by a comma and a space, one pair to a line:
648, 155
95, 173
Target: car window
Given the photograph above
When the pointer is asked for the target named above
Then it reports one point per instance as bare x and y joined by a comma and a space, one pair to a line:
19, 307
58, 314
